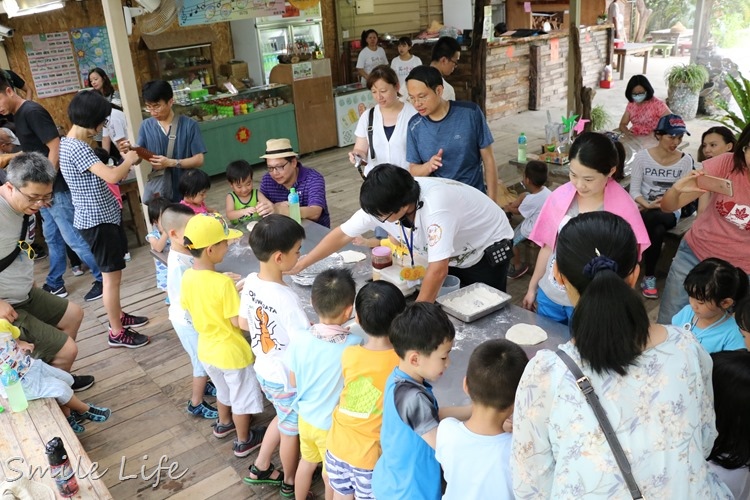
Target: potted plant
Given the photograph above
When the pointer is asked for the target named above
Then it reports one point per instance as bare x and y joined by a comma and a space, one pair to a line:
600, 118
601, 19
685, 82
740, 88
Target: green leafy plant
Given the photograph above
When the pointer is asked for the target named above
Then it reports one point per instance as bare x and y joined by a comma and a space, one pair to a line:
740, 88
600, 118
691, 76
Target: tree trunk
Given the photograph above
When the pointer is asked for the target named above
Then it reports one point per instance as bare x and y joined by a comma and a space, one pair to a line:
479, 57
644, 13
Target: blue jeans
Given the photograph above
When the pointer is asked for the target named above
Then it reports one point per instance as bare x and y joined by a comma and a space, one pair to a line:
674, 296
58, 230
552, 310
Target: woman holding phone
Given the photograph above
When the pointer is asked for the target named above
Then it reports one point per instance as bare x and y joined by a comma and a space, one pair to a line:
722, 230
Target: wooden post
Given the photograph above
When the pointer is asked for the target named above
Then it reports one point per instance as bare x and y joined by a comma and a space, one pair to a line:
535, 82
479, 58
574, 56
700, 29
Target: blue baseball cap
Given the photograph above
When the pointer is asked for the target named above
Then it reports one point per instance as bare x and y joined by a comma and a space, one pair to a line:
672, 125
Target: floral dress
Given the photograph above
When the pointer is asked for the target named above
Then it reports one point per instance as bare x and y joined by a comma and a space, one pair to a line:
645, 116
662, 412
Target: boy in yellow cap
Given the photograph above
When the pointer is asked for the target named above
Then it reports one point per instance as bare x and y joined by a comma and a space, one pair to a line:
212, 301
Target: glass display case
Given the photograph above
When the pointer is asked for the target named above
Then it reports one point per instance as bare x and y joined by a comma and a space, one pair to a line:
246, 101
185, 67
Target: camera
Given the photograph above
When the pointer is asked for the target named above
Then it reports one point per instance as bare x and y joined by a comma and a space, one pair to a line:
6, 32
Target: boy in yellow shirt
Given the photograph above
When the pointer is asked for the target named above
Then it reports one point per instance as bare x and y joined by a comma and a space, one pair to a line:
213, 302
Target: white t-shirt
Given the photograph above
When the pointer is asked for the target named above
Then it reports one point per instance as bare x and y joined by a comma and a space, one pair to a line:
177, 264
448, 93
403, 68
276, 310
738, 480
530, 208
456, 222
475, 466
117, 126
369, 59
651, 179
386, 151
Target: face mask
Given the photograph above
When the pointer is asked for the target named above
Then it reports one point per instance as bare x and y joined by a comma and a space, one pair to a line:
639, 97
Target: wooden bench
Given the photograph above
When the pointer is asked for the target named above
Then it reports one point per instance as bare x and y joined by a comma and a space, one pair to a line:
24, 436
682, 227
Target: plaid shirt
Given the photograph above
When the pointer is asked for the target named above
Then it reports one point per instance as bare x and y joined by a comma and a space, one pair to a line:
93, 201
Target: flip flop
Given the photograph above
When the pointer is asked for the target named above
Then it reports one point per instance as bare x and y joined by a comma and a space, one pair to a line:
264, 476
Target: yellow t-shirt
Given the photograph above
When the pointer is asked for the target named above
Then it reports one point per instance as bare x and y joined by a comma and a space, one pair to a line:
211, 299
355, 432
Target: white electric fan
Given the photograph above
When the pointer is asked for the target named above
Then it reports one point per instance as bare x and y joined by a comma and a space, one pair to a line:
154, 16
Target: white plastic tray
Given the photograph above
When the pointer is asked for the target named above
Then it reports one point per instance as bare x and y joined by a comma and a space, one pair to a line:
485, 306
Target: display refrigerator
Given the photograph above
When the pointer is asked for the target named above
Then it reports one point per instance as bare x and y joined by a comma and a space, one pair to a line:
259, 42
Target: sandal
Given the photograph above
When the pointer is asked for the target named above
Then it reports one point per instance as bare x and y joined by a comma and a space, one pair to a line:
287, 491
264, 477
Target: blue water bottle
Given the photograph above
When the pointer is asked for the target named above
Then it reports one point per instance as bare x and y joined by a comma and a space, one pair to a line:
294, 205
522, 148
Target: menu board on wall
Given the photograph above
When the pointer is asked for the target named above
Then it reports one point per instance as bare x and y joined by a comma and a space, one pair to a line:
52, 63
93, 51
213, 11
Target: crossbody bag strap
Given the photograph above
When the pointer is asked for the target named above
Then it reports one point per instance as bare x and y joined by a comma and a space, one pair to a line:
8, 259
172, 134
370, 119
584, 384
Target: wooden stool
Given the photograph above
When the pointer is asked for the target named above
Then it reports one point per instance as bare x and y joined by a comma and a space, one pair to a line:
664, 48
130, 194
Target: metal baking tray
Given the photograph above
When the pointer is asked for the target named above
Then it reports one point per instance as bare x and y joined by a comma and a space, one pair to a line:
488, 307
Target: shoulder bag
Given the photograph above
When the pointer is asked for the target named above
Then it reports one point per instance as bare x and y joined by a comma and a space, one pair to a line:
8, 259
584, 384
158, 184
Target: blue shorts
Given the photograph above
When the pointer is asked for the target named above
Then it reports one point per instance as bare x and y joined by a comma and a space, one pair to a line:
189, 340
348, 480
517, 236
45, 381
283, 403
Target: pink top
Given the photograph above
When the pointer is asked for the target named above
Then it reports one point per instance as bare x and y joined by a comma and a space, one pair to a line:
723, 229
645, 116
616, 201
198, 209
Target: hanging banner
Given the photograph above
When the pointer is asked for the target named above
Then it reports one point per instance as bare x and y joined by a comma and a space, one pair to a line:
52, 63
93, 51
217, 11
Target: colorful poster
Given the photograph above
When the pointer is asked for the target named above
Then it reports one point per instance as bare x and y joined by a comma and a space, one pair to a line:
52, 63
93, 51
216, 11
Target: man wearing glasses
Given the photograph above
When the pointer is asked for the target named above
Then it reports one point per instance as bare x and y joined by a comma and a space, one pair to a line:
165, 127
445, 56
448, 139
286, 172
48, 323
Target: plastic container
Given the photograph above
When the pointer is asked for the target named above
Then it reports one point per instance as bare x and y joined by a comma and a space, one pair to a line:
61, 470
521, 156
381, 258
450, 284
294, 205
13, 389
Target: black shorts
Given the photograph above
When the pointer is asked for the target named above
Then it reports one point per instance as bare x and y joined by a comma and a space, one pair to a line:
106, 242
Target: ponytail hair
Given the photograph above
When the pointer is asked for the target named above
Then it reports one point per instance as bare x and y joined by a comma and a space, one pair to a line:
731, 381
715, 280
596, 251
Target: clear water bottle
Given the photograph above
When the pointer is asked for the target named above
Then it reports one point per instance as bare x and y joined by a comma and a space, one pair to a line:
522, 148
294, 205
12, 384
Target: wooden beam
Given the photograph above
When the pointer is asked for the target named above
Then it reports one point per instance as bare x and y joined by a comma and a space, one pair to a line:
574, 55
479, 57
535, 82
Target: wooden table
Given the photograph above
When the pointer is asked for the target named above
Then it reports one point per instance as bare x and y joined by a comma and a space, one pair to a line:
24, 436
131, 195
667, 35
633, 49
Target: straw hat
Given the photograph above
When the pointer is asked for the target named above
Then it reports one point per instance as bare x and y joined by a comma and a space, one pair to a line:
278, 148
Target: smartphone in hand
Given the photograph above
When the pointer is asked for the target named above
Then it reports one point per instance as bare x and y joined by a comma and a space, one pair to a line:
715, 184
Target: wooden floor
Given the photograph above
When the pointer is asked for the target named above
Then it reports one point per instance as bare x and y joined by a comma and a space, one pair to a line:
147, 388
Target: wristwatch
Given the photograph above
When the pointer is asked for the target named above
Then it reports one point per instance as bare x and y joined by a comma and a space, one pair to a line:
178, 164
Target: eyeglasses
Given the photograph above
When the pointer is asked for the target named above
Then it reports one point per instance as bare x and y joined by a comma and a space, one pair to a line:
423, 98
152, 106
25, 247
277, 168
37, 200
454, 61
383, 219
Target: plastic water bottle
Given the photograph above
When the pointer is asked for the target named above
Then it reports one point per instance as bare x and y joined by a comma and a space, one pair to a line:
522, 148
294, 205
13, 389
60, 467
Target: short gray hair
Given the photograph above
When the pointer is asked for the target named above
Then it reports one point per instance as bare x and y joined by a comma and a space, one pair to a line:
30, 167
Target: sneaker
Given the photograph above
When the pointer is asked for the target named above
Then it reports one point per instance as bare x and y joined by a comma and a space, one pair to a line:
39, 251
222, 430
516, 272
648, 287
77, 427
203, 410
127, 338
95, 292
97, 414
126, 257
244, 448
82, 382
77, 271
128, 320
210, 389
60, 292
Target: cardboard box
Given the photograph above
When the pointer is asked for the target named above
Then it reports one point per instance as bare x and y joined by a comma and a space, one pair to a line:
236, 69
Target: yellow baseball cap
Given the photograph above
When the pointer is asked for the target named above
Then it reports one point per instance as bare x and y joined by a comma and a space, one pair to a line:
205, 230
